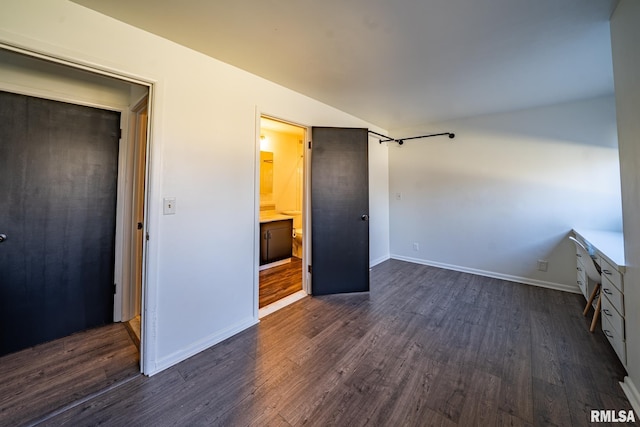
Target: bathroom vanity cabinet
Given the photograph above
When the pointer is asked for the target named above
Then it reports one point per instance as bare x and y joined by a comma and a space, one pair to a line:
275, 240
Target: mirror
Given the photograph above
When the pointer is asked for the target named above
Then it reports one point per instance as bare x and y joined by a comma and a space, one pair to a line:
266, 176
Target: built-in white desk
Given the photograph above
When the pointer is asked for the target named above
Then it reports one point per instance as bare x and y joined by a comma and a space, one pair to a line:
609, 243
607, 250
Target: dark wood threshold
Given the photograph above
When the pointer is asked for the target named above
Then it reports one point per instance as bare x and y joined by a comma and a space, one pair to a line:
82, 401
51, 378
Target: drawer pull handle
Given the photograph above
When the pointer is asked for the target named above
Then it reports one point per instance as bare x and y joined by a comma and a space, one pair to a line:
607, 291
607, 272
607, 333
579, 282
607, 312
579, 269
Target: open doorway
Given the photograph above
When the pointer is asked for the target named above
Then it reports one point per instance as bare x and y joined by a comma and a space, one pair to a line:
90, 195
35, 80
283, 235
132, 288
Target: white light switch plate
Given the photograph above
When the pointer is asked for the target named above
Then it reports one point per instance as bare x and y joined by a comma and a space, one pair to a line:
169, 206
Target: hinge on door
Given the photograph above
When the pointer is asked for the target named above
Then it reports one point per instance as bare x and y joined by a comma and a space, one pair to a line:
114, 288
309, 145
147, 236
119, 133
309, 269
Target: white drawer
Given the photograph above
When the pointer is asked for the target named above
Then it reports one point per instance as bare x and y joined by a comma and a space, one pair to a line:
615, 340
613, 316
581, 278
582, 284
612, 274
597, 258
613, 294
579, 257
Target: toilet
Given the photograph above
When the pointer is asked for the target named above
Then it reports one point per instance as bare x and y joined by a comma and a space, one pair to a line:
297, 232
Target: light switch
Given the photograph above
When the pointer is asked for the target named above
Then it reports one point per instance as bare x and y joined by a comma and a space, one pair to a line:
169, 206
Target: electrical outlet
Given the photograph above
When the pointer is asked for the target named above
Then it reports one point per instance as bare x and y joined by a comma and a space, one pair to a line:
398, 196
416, 246
543, 265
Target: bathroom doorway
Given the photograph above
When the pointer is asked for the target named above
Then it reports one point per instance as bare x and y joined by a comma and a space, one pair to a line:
283, 253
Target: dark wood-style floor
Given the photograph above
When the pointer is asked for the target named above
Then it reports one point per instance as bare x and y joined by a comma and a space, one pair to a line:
279, 282
425, 347
38, 381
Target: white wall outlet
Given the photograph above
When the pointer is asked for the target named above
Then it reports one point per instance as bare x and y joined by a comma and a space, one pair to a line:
543, 265
169, 206
416, 246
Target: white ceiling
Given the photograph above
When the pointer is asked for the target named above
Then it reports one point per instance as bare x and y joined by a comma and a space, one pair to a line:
399, 63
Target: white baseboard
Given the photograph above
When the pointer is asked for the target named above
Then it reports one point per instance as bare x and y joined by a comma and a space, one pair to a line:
631, 391
379, 260
203, 344
518, 279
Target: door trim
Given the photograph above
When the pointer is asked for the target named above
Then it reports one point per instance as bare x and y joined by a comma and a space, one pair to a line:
77, 64
130, 299
148, 329
306, 207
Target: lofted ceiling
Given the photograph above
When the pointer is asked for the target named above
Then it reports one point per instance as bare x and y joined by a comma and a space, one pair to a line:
399, 63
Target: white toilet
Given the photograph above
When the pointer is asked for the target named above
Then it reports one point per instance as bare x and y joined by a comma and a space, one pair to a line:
297, 231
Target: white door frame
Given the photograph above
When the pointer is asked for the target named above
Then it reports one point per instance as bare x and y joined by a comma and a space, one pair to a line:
125, 162
306, 207
130, 298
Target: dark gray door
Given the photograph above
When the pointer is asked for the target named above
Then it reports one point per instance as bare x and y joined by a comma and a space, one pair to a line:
58, 177
339, 210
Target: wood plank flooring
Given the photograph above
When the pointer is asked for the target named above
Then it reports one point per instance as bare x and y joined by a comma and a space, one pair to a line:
279, 282
40, 380
426, 347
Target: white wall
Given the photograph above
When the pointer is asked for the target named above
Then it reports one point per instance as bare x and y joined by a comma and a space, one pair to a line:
507, 190
35, 77
201, 275
378, 202
625, 39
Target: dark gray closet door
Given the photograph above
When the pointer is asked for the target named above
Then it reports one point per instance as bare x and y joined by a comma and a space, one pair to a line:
340, 210
58, 178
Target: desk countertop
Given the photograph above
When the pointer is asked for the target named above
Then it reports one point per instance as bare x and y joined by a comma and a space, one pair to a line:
608, 243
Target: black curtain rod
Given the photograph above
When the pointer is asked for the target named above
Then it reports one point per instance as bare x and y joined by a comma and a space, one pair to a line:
401, 141
379, 134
